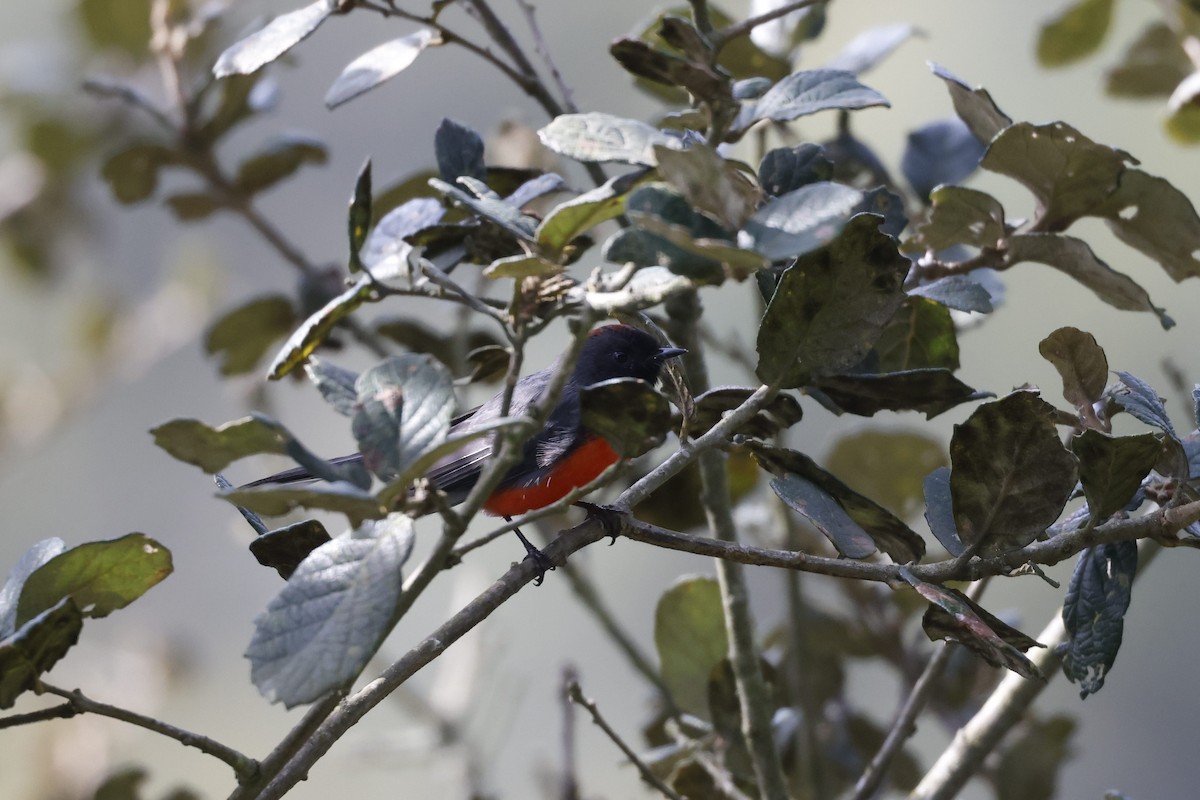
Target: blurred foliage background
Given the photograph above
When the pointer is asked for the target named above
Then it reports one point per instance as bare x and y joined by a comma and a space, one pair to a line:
105, 306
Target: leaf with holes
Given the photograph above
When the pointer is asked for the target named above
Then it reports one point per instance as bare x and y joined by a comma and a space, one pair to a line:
1010, 475
831, 305
378, 65
1075, 258
1094, 613
1151, 215
1081, 363
1111, 468
1070, 175
276, 38
885, 529
320, 631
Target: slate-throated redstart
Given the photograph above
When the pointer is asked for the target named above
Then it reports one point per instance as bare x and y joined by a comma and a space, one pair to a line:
562, 456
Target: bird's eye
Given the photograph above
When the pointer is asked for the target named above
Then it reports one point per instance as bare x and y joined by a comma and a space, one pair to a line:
620, 356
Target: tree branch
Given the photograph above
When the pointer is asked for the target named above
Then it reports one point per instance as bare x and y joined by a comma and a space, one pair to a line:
576, 695
743, 28
243, 766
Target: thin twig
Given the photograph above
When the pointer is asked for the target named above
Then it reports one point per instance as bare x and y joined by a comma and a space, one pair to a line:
543, 50
738, 29
243, 766
643, 769
288, 746
570, 779
64, 711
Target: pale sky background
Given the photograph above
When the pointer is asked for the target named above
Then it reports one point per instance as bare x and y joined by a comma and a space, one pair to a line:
96, 474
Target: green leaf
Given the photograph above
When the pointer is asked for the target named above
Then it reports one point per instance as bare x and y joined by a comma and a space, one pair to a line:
284, 548
213, 449
939, 510
604, 137
887, 466
379, 64
710, 408
320, 631
885, 529
358, 220
1075, 258
277, 500
404, 408
26, 565
132, 173
973, 106
831, 305
387, 252
1081, 363
689, 632
283, 155
242, 336
630, 414
459, 152
489, 206
1111, 468
713, 185
1140, 400
1152, 66
1094, 612
572, 217
930, 391
808, 92
955, 617
35, 648
523, 266
694, 75
959, 216
920, 336
309, 336
192, 206
801, 220
786, 169
1183, 124
119, 24
280, 35
1010, 475
958, 292
1030, 767
1070, 175
100, 577
334, 383
1151, 215
1075, 33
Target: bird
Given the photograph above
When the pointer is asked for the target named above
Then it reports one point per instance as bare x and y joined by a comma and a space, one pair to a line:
563, 455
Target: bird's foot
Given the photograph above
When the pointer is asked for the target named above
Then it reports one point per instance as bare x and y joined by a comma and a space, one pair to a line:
611, 517
541, 561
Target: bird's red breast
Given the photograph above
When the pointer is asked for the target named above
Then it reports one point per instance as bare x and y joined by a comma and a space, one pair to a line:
578, 468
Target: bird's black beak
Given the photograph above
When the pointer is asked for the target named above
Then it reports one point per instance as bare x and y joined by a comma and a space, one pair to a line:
668, 352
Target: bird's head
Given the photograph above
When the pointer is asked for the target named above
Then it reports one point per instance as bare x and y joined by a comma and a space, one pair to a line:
621, 351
